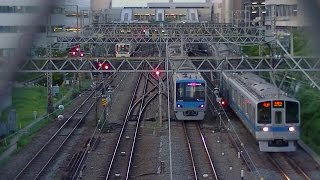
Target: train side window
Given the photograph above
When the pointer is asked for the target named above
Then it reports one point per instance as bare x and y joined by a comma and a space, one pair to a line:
278, 117
292, 112
264, 113
253, 110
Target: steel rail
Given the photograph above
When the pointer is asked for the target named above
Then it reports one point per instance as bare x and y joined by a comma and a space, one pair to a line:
137, 127
297, 167
52, 138
204, 148
190, 151
207, 152
123, 127
276, 164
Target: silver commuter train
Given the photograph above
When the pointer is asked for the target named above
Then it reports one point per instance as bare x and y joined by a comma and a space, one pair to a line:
270, 116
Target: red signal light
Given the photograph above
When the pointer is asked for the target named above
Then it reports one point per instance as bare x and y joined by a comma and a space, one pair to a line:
103, 65
106, 67
81, 54
158, 73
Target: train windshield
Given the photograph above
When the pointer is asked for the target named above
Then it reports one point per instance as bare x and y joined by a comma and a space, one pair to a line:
292, 112
190, 91
264, 112
123, 48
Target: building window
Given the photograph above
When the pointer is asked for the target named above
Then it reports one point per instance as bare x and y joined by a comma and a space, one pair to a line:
19, 9
7, 52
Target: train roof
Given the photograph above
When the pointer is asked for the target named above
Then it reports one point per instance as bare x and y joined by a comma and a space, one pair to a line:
182, 64
258, 87
188, 76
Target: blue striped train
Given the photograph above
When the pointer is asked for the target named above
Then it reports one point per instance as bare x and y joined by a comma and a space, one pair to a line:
189, 93
268, 113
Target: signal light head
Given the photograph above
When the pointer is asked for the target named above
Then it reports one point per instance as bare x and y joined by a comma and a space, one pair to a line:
105, 67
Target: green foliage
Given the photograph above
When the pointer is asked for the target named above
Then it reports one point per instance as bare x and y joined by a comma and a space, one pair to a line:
59, 53
57, 79
4, 144
300, 43
310, 117
23, 141
254, 50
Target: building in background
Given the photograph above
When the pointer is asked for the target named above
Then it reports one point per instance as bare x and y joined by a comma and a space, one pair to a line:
16, 18
286, 13
152, 11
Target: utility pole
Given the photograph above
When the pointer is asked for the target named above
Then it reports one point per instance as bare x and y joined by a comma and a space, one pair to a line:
49, 82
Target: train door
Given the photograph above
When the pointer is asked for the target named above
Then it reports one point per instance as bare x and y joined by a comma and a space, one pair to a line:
278, 117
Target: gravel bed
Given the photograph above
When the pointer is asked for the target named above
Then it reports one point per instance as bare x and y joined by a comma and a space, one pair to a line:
98, 159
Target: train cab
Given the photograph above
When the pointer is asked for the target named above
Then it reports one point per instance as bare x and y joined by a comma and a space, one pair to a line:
123, 49
190, 98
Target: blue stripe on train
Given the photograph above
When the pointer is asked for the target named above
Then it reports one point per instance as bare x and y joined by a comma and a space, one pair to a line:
189, 104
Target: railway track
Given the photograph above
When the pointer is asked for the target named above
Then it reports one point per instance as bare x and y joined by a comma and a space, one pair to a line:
78, 160
202, 163
40, 162
226, 124
287, 166
122, 157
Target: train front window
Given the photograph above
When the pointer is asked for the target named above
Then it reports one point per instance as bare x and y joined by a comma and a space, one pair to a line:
264, 112
190, 91
292, 112
123, 48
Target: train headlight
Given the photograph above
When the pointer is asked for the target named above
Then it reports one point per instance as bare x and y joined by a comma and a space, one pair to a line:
265, 129
291, 129
201, 106
179, 105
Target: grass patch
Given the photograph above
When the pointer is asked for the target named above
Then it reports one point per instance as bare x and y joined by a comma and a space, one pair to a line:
26, 100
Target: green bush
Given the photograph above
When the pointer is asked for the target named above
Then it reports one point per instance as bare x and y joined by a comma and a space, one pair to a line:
310, 117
